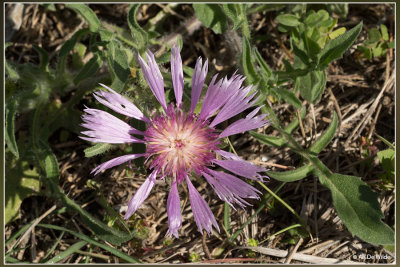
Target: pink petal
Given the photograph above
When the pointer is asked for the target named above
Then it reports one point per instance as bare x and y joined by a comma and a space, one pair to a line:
218, 94
235, 105
119, 104
201, 211
141, 194
242, 168
177, 75
199, 76
106, 128
153, 77
246, 124
230, 188
115, 162
174, 211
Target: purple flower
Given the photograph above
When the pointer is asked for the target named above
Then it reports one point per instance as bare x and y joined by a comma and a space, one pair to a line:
181, 144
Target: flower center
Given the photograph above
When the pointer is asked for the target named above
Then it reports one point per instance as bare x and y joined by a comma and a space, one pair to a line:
179, 143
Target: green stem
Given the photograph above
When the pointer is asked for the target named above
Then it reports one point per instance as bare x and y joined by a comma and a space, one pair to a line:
283, 203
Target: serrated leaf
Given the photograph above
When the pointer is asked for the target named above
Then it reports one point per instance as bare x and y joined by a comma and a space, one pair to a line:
212, 16
292, 175
88, 14
288, 20
311, 85
21, 181
335, 48
247, 63
358, 207
118, 65
96, 149
326, 137
11, 110
139, 35
89, 69
289, 97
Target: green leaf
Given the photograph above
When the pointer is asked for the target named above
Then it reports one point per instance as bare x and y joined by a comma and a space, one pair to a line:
71, 250
292, 175
279, 141
264, 66
110, 249
97, 149
384, 31
118, 65
385, 141
288, 20
335, 48
268, 139
326, 137
247, 63
386, 158
212, 16
101, 230
89, 69
21, 181
70, 43
311, 85
358, 207
139, 35
44, 57
232, 13
87, 14
50, 164
374, 35
289, 97
337, 32
11, 110
300, 54
11, 70
66, 48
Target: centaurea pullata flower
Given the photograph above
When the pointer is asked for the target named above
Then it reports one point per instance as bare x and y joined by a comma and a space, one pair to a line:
181, 144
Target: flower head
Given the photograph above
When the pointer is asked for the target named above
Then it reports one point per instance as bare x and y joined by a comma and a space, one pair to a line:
181, 144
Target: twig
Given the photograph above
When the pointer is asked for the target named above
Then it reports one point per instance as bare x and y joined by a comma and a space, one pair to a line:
301, 125
273, 164
31, 227
298, 256
205, 248
358, 129
291, 254
230, 260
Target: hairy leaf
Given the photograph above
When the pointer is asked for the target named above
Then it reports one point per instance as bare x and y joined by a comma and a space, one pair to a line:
88, 14
292, 175
358, 207
212, 16
326, 137
335, 48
